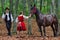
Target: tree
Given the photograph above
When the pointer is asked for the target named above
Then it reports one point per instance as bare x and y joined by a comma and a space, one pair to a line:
29, 20
40, 5
16, 6
24, 5
2, 5
53, 6
56, 3
11, 5
15, 12
35, 2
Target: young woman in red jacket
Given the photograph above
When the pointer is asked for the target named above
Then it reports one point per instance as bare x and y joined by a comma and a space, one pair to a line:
20, 23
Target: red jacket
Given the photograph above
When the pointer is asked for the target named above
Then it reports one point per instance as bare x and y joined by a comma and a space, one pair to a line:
20, 18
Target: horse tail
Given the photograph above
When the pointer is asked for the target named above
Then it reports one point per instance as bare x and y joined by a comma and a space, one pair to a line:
55, 17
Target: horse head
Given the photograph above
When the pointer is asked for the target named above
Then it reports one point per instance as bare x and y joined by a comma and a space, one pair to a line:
33, 10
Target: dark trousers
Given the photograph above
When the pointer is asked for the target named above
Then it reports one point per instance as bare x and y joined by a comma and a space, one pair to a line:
8, 26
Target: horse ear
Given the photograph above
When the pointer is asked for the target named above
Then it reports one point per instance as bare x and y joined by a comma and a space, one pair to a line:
34, 5
31, 5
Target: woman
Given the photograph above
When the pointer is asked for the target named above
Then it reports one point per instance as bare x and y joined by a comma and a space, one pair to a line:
20, 23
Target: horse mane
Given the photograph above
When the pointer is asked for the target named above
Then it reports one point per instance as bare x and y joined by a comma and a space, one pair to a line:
38, 12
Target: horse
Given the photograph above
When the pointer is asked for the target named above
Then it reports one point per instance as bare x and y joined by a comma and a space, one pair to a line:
45, 20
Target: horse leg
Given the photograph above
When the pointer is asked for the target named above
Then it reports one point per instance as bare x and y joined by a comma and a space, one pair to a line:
53, 30
44, 31
56, 28
41, 30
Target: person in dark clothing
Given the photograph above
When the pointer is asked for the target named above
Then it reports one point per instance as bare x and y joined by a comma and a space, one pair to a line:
7, 17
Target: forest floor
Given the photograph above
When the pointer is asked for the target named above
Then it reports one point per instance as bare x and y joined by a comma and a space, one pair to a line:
35, 32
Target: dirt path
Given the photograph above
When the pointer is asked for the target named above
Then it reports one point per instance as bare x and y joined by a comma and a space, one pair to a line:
29, 38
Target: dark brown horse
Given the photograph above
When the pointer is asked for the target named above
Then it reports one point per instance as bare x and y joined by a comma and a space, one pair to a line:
45, 20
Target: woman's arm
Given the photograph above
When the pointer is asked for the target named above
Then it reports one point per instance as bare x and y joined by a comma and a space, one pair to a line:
26, 16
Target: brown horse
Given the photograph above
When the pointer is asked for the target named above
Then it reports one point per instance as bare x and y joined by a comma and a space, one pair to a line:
45, 20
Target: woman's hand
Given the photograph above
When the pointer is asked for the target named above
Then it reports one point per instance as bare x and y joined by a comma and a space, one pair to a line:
29, 15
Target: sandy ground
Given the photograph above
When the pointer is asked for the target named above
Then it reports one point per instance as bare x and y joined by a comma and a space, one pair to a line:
25, 36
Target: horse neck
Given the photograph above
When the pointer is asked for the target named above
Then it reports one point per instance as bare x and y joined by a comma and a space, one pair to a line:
37, 15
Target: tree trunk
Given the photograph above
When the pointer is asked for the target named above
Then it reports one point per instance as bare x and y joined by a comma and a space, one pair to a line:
56, 2
24, 5
16, 6
2, 5
11, 5
29, 20
53, 6
40, 5
35, 2
15, 14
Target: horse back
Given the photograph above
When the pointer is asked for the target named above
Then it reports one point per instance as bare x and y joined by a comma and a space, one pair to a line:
50, 18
